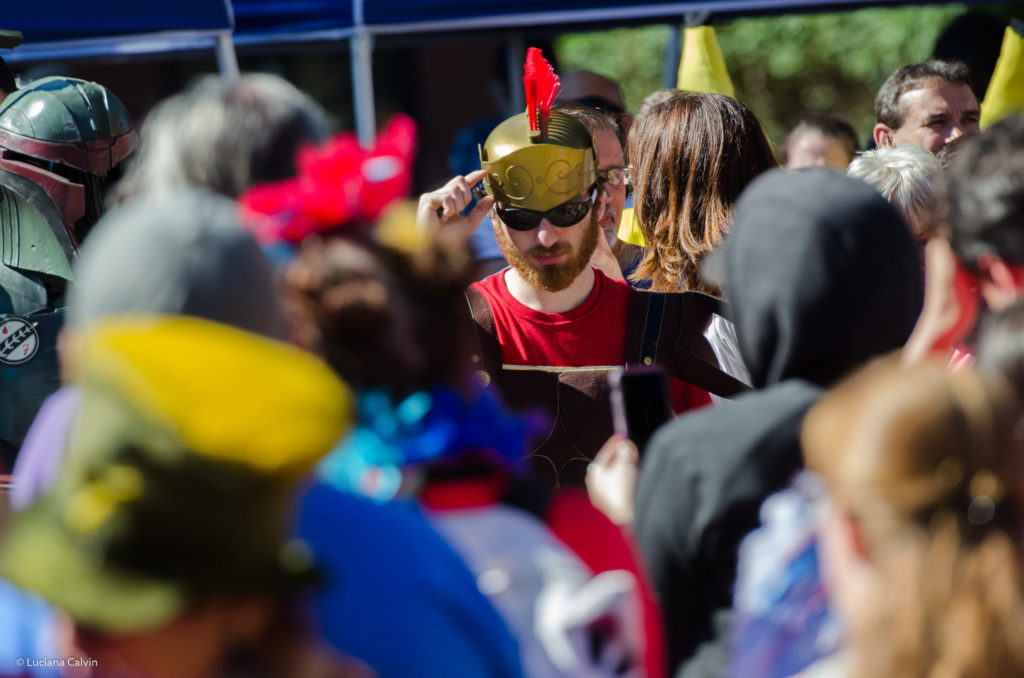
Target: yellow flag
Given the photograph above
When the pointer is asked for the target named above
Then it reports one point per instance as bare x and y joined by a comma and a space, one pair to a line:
702, 68
1005, 94
629, 229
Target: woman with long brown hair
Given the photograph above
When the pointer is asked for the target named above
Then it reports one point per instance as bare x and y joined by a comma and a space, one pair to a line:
922, 534
692, 154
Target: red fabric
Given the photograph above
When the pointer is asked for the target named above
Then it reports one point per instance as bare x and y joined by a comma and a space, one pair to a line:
592, 334
441, 495
603, 546
686, 396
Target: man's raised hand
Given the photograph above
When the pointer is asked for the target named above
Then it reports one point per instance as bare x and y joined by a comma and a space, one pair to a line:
441, 210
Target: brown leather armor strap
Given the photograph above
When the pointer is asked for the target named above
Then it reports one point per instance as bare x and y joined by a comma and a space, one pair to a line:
668, 328
487, 356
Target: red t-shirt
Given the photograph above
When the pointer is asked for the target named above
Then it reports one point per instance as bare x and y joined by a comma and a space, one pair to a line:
591, 335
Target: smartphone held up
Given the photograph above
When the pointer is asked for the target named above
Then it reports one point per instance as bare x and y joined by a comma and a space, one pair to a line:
640, 402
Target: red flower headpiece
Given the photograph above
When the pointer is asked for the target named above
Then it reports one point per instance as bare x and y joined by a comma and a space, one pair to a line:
339, 184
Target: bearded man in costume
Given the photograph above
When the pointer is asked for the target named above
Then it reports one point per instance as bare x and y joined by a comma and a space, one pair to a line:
551, 326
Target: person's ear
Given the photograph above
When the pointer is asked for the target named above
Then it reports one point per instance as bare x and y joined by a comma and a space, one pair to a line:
883, 135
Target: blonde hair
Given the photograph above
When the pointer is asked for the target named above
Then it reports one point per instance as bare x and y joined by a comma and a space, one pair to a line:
908, 176
922, 459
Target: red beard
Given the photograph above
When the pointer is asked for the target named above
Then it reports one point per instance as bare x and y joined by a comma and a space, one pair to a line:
553, 277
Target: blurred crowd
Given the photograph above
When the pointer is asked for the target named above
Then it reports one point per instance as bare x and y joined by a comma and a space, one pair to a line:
633, 394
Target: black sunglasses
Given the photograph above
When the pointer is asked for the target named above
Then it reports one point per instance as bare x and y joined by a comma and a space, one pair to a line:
566, 214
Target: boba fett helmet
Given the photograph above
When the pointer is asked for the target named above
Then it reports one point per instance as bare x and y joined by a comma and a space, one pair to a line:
538, 159
61, 141
68, 136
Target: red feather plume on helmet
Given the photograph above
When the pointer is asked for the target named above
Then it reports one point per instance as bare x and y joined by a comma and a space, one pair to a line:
541, 85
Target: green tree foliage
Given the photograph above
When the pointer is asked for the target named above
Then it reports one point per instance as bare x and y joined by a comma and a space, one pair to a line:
782, 66
633, 56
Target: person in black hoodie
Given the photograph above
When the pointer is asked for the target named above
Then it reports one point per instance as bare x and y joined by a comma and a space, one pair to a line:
822, 275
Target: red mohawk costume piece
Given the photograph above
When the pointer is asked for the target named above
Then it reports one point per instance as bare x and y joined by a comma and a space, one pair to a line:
340, 184
541, 85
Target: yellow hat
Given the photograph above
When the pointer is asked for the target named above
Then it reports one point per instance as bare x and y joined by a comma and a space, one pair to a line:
180, 474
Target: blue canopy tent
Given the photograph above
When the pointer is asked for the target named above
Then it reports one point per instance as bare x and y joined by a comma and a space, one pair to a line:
263, 21
63, 29
60, 29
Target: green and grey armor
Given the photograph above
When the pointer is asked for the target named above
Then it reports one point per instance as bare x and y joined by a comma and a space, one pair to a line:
61, 140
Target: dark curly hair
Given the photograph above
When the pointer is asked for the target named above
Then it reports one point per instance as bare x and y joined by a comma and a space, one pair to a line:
382, 318
985, 194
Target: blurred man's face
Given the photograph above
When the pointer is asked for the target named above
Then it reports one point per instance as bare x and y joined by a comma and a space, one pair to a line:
811, 148
612, 199
934, 115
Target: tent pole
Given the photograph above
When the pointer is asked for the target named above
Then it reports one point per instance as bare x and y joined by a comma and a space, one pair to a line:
515, 56
673, 53
227, 59
361, 48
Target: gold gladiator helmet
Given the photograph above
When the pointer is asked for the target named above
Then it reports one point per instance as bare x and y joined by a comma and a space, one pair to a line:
540, 165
